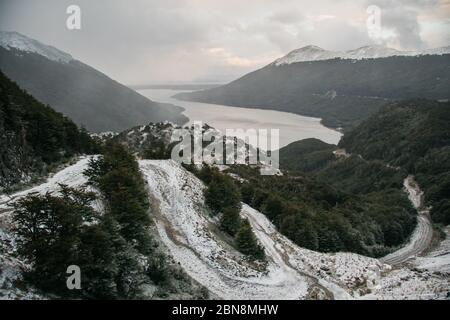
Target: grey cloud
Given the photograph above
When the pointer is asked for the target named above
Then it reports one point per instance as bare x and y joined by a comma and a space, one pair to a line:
155, 41
287, 16
401, 17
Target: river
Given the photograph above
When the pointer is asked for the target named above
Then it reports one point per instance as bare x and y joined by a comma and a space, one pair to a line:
292, 127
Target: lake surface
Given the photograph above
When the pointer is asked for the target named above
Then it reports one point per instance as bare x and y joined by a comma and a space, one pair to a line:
292, 127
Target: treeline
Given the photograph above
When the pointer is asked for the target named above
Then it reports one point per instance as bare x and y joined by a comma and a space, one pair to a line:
114, 249
223, 197
414, 135
33, 136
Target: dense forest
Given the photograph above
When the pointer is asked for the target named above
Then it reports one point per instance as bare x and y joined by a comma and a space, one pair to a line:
415, 136
33, 136
349, 173
318, 216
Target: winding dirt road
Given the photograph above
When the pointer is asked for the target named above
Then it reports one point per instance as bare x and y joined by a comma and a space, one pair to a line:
422, 236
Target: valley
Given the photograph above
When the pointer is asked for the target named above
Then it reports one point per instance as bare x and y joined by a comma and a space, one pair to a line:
292, 127
96, 175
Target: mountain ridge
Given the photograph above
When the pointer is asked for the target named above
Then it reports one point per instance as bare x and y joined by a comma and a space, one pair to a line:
314, 53
14, 40
86, 95
341, 92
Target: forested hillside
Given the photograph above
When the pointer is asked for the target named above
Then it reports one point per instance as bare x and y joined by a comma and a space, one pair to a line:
33, 136
349, 173
341, 92
316, 215
413, 135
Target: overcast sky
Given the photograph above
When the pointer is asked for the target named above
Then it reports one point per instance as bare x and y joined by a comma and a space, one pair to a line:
157, 41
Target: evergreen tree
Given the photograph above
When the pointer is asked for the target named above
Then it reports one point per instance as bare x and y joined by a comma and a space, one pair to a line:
247, 192
49, 230
230, 220
247, 243
273, 207
222, 193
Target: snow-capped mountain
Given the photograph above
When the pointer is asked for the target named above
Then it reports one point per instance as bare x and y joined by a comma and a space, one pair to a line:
341, 88
308, 53
15, 40
314, 53
437, 51
85, 95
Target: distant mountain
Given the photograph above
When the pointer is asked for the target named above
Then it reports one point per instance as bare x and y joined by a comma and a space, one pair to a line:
314, 53
342, 88
33, 137
79, 91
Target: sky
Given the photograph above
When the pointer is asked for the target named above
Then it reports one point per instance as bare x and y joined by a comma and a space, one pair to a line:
173, 41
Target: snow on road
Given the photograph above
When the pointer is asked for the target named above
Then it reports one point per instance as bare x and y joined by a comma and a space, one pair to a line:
284, 253
437, 260
71, 176
421, 238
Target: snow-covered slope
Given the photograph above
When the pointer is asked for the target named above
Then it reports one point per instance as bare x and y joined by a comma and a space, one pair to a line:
71, 176
191, 235
314, 53
185, 228
292, 272
308, 53
20, 42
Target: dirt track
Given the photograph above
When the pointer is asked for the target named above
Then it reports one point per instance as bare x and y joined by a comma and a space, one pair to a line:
422, 236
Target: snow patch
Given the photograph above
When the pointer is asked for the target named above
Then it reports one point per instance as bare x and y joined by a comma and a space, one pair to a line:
15, 40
